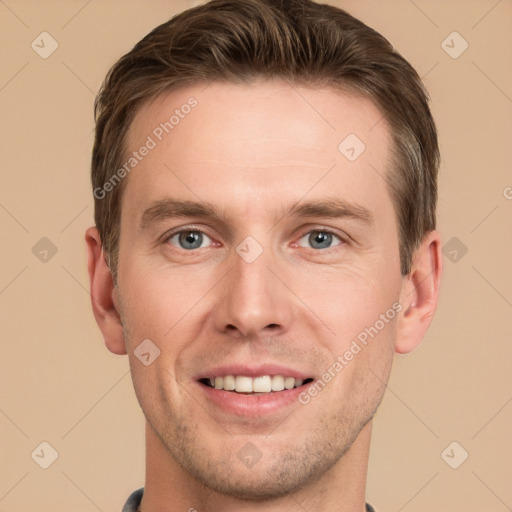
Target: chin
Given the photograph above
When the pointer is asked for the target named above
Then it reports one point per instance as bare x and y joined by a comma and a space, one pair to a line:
266, 484
280, 471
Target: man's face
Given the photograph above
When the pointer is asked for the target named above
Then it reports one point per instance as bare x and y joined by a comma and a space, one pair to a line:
320, 266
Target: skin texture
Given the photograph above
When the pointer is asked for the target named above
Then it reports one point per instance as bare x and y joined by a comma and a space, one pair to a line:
254, 152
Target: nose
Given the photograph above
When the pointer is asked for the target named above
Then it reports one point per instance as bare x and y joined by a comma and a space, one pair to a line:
254, 300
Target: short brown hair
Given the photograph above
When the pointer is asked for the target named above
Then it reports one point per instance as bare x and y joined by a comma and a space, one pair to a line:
300, 41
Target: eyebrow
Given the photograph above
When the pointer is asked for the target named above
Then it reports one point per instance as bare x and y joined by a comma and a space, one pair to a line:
330, 208
170, 208
335, 209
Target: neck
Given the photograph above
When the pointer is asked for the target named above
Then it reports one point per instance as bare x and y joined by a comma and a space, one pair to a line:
169, 487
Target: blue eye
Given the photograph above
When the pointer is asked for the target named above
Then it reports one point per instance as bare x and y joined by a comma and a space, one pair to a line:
318, 239
190, 239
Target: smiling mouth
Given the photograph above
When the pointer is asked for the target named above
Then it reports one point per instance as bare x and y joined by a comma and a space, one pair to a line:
254, 385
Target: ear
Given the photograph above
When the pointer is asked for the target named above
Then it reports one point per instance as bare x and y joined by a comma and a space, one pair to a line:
420, 291
103, 294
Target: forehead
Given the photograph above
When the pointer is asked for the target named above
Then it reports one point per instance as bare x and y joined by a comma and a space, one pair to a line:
267, 139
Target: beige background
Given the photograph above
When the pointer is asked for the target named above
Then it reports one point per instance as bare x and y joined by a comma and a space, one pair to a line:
60, 385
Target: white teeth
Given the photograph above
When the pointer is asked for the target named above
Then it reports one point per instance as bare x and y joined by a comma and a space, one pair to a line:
260, 384
229, 383
243, 384
277, 383
289, 382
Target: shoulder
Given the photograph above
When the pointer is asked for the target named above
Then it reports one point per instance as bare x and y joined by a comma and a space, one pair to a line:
133, 501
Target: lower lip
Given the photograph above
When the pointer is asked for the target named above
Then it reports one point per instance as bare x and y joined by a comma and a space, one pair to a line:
252, 405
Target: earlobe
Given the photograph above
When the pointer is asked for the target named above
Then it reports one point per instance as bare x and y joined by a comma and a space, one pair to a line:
420, 293
103, 294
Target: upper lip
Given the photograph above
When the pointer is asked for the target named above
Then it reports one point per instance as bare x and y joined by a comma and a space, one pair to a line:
253, 371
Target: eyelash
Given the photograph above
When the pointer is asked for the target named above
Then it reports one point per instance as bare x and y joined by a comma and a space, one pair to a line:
343, 239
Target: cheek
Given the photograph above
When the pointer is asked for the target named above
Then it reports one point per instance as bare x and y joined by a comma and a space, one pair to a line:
348, 301
357, 306
156, 300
